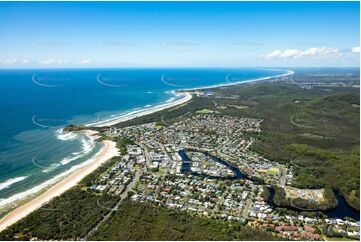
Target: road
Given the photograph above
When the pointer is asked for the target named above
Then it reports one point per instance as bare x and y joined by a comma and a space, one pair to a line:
246, 208
163, 149
123, 196
283, 176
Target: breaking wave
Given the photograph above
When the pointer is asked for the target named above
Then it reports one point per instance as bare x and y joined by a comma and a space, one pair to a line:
9, 182
36, 189
61, 135
87, 146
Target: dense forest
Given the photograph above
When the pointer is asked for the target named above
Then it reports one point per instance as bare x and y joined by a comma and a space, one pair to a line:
141, 221
68, 217
316, 130
73, 214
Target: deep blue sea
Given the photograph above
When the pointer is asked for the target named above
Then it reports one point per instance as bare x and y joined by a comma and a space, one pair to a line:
36, 104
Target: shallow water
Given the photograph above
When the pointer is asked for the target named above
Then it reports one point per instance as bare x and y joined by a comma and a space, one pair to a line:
35, 104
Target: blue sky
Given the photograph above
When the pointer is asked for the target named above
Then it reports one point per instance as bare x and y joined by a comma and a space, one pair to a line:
179, 34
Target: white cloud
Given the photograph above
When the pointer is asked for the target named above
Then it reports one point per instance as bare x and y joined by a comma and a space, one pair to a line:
296, 53
355, 49
53, 62
49, 62
64, 62
12, 61
85, 62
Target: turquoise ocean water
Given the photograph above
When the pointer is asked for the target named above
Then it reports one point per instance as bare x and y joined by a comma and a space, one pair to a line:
36, 104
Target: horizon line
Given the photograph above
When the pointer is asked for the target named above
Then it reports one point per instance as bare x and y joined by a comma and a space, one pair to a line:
169, 67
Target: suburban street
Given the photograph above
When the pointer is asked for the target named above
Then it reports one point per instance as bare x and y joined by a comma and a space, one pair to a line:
123, 196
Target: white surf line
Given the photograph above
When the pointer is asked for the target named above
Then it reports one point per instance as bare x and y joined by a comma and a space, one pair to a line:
9, 182
5, 202
61, 183
186, 98
143, 112
230, 83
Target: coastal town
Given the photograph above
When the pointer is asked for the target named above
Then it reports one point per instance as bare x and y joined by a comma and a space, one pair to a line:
204, 165
180, 120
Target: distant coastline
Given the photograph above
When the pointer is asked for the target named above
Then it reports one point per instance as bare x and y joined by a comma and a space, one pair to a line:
187, 96
71, 178
138, 113
229, 83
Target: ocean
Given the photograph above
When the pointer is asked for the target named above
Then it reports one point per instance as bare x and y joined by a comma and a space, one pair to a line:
36, 104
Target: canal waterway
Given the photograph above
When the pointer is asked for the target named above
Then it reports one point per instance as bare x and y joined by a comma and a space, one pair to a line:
341, 211
186, 167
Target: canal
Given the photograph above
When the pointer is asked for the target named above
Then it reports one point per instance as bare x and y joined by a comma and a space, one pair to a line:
341, 211
186, 167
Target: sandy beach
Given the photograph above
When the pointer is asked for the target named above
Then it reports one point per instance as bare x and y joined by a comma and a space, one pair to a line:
108, 151
186, 97
233, 83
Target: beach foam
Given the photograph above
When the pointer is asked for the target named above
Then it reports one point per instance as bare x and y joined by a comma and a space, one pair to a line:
231, 83
181, 98
9, 182
22, 195
78, 172
50, 167
61, 135
170, 100
87, 146
36, 189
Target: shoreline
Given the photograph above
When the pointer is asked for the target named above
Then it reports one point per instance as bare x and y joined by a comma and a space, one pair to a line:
229, 83
108, 151
142, 112
20, 198
187, 96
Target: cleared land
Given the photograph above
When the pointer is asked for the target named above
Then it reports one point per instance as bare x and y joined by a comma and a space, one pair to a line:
316, 195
